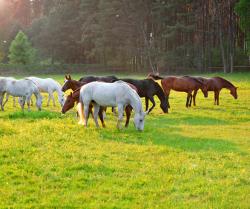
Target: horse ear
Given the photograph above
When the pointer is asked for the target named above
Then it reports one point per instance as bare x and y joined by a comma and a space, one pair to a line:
66, 77
69, 77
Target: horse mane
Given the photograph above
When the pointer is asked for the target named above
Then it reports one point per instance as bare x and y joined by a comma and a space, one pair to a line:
224, 80
194, 79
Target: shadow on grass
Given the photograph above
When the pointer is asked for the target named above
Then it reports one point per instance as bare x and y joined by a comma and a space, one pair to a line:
191, 120
32, 115
194, 144
172, 139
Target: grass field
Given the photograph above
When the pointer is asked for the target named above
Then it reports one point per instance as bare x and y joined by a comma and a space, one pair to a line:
189, 158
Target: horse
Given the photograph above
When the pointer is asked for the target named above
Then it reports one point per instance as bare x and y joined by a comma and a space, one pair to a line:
69, 83
215, 84
186, 84
148, 88
7, 95
118, 94
107, 79
49, 86
23, 88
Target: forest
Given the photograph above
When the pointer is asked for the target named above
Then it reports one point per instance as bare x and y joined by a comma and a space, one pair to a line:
141, 35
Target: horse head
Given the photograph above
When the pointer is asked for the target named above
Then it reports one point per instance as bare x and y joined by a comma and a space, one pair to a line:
233, 92
39, 101
68, 104
164, 106
139, 119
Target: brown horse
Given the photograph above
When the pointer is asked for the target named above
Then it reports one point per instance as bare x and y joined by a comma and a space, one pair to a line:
215, 84
183, 84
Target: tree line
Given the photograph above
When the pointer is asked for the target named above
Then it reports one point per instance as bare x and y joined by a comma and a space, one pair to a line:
143, 34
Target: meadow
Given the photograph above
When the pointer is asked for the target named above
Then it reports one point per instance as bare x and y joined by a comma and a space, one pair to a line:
189, 158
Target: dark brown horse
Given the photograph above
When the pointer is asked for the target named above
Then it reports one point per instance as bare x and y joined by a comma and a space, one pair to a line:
74, 98
107, 79
148, 88
215, 84
183, 84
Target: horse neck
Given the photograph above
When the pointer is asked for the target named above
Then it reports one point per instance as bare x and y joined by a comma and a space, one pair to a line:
75, 85
160, 94
226, 84
135, 102
76, 95
59, 91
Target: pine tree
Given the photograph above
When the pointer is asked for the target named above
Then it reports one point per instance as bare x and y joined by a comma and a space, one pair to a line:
21, 51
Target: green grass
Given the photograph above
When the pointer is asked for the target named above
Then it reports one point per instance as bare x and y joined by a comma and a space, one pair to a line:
189, 158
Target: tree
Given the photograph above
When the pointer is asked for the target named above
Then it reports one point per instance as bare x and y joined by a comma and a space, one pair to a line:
21, 51
243, 8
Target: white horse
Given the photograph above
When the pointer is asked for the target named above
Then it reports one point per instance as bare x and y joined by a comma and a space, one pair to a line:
49, 86
7, 95
23, 88
118, 94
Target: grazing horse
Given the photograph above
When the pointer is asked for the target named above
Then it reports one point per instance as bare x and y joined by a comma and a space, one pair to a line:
215, 84
23, 88
148, 88
107, 79
49, 86
118, 94
183, 84
74, 98
69, 83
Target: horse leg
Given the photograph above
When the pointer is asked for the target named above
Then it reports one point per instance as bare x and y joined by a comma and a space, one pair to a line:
167, 92
120, 115
146, 103
153, 102
49, 99
96, 111
189, 96
187, 100
114, 110
167, 97
6, 99
103, 109
100, 113
31, 101
86, 113
190, 100
214, 97
1, 101
128, 111
52, 97
80, 113
28, 102
91, 110
218, 97
194, 97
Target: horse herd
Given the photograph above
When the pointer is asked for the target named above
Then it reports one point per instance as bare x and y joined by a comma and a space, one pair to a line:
109, 91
